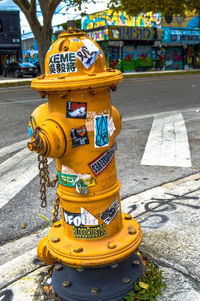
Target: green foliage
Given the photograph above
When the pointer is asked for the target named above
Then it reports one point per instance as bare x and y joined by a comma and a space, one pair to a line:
166, 7
149, 285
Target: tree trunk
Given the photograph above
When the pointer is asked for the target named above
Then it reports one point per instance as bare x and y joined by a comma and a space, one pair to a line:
43, 40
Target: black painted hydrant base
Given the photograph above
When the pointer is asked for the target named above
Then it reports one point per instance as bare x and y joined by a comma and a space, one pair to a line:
110, 283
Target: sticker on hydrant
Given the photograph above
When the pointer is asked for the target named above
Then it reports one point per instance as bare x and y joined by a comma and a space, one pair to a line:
108, 215
91, 232
76, 110
98, 165
62, 63
101, 136
79, 136
88, 53
84, 218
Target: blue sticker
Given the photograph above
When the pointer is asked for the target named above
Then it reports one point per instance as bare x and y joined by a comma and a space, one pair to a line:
30, 131
101, 134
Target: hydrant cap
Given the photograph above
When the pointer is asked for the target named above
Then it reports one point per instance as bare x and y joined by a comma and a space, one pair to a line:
73, 62
74, 54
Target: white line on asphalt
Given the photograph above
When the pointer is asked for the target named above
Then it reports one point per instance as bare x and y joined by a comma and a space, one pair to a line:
16, 172
22, 101
12, 148
130, 118
167, 143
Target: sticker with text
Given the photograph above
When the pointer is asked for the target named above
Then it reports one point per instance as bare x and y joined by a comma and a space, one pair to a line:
108, 215
90, 118
62, 63
91, 232
88, 53
84, 218
76, 110
98, 165
30, 131
79, 137
101, 135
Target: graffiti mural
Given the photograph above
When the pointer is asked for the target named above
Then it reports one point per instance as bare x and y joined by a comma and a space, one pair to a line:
131, 33
174, 58
98, 35
109, 17
30, 56
114, 57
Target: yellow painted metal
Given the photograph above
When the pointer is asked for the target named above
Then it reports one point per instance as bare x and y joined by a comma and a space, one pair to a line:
101, 242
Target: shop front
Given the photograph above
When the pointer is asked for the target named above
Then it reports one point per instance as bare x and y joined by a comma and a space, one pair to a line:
181, 48
127, 48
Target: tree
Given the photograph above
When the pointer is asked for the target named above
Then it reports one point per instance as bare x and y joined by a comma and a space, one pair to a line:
43, 32
166, 7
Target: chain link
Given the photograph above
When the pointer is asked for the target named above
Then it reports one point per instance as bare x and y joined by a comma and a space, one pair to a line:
44, 179
55, 211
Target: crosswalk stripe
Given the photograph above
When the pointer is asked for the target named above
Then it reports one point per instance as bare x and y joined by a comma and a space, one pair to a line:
167, 143
12, 148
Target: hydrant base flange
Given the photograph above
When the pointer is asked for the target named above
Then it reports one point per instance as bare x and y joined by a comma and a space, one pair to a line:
109, 283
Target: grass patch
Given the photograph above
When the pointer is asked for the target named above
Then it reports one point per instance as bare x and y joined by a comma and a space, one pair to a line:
149, 285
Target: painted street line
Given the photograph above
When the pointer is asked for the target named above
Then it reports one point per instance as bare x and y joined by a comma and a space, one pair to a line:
167, 143
21, 101
14, 147
131, 118
16, 172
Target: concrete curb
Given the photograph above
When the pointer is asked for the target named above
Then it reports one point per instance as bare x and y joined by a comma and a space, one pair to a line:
15, 82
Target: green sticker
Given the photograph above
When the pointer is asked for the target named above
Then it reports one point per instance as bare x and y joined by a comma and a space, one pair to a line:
67, 180
90, 232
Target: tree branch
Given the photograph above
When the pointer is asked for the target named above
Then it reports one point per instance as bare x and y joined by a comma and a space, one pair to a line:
23, 4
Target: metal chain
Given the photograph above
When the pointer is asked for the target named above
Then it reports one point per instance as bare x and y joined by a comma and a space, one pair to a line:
44, 179
55, 211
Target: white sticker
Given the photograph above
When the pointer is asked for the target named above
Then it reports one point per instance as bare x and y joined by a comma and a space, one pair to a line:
75, 40
62, 63
111, 126
80, 219
87, 218
88, 53
108, 215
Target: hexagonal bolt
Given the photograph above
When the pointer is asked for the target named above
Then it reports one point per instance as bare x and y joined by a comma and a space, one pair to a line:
95, 290
128, 217
126, 280
66, 283
55, 239
111, 245
131, 231
136, 262
58, 267
78, 250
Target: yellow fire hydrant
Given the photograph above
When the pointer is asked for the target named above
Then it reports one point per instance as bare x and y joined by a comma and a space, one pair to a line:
77, 127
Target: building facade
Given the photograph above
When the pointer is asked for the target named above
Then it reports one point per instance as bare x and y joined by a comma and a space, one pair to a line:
10, 37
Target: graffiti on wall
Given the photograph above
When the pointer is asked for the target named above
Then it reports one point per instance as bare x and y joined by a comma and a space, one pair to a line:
109, 17
98, 35
190, 20
135, 58
174, 58
131, 33
181, 35
30, 56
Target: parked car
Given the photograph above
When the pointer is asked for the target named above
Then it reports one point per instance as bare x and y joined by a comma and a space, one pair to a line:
18, 69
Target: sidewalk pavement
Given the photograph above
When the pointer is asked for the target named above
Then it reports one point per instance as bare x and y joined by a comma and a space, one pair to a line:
170, 218
9, 82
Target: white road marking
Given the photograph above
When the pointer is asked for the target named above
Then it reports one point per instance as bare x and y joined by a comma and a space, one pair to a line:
17, 171
130, 118
167, 143
12, 148
22, 101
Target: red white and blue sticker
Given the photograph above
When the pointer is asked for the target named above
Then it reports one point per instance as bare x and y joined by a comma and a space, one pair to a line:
79, 137
101, 133
109, 214
88, 53
98, 165
76, 110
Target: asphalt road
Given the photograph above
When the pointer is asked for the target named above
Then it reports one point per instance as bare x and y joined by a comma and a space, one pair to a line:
139, 102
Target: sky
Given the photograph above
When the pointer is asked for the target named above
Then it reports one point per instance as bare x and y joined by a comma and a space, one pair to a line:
60, 16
